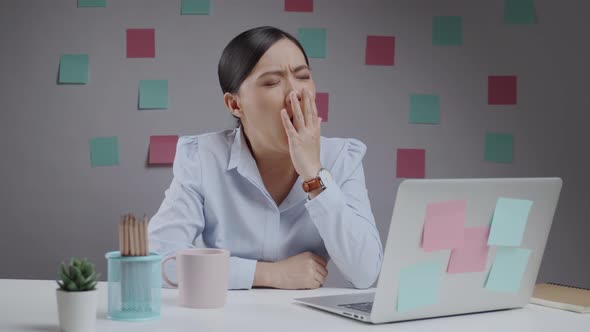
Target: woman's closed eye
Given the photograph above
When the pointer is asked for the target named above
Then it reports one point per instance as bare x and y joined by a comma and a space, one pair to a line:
305, 77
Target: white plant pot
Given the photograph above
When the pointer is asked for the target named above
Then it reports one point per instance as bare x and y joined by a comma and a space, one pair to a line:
77, 310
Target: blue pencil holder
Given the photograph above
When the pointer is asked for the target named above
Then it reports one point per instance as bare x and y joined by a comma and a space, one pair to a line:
134, 287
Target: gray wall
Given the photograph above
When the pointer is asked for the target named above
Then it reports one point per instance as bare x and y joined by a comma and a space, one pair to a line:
54, 205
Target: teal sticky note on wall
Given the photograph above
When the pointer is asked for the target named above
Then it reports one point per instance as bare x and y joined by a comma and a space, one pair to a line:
519, 11
195, 7
499, 148
447, 30
424, 109
507, 269
419, 285
104, 151
92, 3
313, 41
153, 94
73, 69
509, 221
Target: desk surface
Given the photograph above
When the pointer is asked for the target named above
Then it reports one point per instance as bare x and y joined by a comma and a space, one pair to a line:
30, 305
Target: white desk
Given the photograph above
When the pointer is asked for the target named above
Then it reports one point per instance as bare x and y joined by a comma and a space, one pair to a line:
30, 305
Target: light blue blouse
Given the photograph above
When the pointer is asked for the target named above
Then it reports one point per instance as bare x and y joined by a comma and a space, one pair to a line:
217, 192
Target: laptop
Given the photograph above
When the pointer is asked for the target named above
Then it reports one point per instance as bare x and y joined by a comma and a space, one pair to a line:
501, 205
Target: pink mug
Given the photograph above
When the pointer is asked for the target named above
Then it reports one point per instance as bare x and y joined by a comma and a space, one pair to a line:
202, 277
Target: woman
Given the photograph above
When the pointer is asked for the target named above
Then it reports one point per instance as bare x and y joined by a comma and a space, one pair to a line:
256, 190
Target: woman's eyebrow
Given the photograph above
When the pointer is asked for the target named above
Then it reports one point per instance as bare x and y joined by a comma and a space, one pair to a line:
281, 72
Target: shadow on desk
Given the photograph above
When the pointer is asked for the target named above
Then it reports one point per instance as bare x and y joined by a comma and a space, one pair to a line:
39, 327
408, 320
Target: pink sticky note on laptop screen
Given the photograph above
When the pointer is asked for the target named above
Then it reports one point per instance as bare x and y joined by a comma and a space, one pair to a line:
162, 150
444, 225
473, 256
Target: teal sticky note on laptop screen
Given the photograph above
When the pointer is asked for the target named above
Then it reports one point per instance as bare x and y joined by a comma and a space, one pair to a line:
507, 269
419, 285
509, 221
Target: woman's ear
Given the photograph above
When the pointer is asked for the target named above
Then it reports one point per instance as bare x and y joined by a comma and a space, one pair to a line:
232, 103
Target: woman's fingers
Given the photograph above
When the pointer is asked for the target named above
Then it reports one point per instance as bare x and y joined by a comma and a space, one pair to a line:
287, 123
322, 270
313, 110
308, 111
297, 113
319, 259
320, 278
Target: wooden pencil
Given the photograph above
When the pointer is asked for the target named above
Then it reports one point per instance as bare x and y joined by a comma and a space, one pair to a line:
127, 237
124, 235
139, 238
133, 237
121, 243
137, 233
142, 237
145, 235
137, 244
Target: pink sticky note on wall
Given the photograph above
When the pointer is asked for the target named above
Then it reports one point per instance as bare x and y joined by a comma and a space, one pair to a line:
141, 43
444, 225
380, 50
502, 90
162, 150
411, 163
474, 254
305, 6
322, 101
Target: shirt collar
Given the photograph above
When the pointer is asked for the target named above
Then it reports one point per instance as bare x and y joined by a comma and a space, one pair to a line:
236, 148
242, 159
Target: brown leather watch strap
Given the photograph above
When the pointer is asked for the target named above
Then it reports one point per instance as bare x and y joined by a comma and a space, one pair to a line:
311, 185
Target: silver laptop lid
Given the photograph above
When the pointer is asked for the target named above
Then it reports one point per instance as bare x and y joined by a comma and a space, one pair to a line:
468, 291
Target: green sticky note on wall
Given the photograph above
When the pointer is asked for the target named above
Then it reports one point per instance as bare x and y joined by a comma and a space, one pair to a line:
519, 11
424, 109
92, 3
509, 221
73, 69
313, 41
499, 148
153, 94
447, 31
507, 269
419, 285
104, 151
195, 7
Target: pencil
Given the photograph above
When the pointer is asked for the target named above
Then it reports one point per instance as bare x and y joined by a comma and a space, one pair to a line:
127, 237
140, 237
121, 243
133, 236
145, 225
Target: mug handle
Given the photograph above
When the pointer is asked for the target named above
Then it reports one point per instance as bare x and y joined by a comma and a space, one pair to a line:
175, 285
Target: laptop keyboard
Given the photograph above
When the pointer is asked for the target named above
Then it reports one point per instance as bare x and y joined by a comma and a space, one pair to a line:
363, 306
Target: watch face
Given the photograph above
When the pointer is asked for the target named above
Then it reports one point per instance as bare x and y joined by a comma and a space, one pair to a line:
326, 177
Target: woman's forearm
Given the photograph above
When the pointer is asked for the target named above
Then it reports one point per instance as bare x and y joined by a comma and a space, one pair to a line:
263, 275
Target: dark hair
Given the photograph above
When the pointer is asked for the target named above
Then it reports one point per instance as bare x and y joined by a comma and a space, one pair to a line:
243, 52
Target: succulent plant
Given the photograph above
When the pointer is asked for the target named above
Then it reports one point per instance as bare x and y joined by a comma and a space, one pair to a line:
78, 277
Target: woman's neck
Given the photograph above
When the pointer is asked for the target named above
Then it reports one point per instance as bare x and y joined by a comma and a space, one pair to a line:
270, 161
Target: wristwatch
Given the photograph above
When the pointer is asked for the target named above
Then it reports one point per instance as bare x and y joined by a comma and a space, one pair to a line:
323, 180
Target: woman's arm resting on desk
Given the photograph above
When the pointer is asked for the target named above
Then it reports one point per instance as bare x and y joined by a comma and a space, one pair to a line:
303, 271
